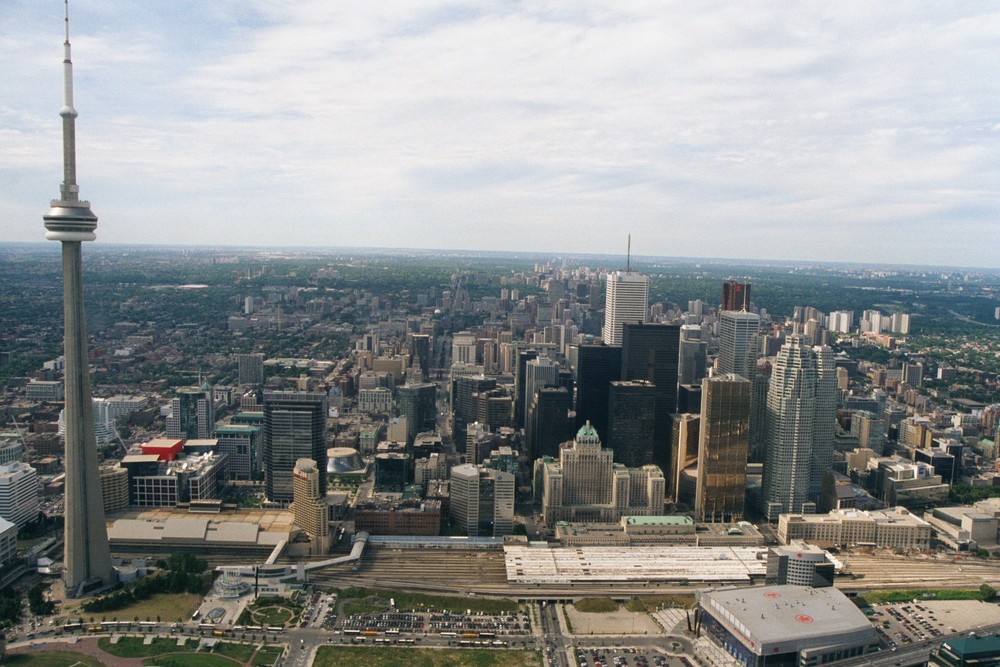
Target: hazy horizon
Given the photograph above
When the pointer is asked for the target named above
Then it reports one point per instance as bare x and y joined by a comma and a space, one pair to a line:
850, 133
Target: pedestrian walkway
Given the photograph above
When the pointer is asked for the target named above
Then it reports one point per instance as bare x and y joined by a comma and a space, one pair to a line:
671, 620
711, 654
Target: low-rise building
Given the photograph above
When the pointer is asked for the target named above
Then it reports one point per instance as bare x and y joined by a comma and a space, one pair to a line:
964, 528
386, 516
800, 564
658, 530
155, 483
786, 625
895, 528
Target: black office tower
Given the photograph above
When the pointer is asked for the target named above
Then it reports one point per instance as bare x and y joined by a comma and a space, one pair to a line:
464, 408
597, 367
420, 350
631, 414
294, 428
735, 295
651, 352
418, 405
549, 422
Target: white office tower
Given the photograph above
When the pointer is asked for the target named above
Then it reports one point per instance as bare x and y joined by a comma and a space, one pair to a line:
18, 493
463, 348
901, 323
739, 340
841, 321
693, 360
799, 426
627, 301
104, 423
539, 373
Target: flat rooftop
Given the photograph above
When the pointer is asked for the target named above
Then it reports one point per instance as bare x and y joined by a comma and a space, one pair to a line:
786, 614
562, 565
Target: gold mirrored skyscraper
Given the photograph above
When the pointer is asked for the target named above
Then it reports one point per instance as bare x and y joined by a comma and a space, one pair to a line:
723, 446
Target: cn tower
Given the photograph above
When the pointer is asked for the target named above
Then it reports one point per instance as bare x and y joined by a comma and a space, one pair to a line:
70, 221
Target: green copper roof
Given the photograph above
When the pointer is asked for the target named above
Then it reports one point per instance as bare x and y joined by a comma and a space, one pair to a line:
664, 520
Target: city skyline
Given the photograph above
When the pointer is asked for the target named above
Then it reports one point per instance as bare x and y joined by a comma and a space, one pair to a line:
731, 132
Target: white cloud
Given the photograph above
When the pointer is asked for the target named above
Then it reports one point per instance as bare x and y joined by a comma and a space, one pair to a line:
847, 131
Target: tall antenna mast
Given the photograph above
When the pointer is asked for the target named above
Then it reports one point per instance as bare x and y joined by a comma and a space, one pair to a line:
69, 220
628, 255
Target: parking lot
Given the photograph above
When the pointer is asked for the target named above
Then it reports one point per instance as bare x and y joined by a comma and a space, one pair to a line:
627, 657
444, 624
320, 611
905, 623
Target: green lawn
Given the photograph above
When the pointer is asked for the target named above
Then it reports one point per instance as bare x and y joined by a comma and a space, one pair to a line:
266, 656
52, 659
364, 606
241, 652
650, 603
132, 647
596, 605
167, 606
190, 660
874, 597
407, 600
334, 656
271, 611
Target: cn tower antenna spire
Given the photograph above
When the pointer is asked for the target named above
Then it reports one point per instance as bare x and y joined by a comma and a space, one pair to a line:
628, 251
87, 555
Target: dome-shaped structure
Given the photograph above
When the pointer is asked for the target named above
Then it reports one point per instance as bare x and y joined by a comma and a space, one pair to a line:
341, 460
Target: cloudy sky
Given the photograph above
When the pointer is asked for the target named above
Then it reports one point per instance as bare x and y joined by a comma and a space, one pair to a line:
862, 131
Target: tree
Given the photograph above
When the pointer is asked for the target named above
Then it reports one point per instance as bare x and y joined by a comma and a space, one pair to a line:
987, 592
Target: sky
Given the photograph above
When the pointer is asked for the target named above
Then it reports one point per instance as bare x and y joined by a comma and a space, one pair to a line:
838, 131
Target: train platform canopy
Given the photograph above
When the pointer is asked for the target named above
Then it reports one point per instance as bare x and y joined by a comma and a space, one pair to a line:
563, 565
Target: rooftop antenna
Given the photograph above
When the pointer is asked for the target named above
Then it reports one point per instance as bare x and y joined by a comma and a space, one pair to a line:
628, 255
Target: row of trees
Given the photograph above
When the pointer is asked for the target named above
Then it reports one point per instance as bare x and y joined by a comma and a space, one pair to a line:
182, 573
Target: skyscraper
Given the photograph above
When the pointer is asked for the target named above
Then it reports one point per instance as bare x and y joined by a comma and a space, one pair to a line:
294, 428
631, 419
722, 450
309, 505
463, 403
482, 501
651, 352
826, 417
693, 355
799, 426
550, 421
418, 405
251, 368
738, 343
538, 373
735, 295
522, 356
192, 413
627, 301
597, 366
70, 221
